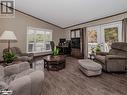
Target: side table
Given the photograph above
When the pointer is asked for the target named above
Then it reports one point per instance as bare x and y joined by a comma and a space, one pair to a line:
92, 56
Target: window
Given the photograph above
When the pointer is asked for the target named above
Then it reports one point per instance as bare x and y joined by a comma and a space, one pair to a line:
93, 38
38, 40
104, 35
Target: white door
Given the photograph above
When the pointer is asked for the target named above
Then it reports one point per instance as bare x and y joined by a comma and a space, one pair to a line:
110, 33
104, 35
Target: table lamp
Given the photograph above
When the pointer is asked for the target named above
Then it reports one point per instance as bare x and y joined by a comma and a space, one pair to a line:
8, 36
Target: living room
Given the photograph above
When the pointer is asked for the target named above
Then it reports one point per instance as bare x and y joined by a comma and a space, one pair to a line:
75, 47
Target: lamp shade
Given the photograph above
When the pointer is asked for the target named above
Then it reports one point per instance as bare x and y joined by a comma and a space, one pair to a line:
8, 35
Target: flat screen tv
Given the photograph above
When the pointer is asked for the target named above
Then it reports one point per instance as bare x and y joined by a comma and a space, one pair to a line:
75, 43
62, 40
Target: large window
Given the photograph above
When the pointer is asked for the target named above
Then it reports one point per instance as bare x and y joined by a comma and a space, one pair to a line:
104, 35
38, 40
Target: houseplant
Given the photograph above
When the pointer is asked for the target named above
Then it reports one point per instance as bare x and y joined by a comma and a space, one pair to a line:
98, 48
9, 57
55, 51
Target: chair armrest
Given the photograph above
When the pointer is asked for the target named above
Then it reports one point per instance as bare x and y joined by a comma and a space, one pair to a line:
102, 53
27, 54
116, 57
21, 86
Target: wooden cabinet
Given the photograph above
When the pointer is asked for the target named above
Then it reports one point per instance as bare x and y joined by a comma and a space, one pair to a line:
77, 45
76, 53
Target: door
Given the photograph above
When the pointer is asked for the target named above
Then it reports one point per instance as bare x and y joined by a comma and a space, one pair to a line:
104, 35
111, 33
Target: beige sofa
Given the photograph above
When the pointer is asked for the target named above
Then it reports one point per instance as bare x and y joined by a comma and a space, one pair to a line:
115, 60
20, 79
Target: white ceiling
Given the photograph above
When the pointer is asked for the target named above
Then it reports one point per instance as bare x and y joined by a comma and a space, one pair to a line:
65, 13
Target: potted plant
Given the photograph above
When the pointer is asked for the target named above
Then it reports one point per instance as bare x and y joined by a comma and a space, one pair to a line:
9, 57
98, 48
55, 51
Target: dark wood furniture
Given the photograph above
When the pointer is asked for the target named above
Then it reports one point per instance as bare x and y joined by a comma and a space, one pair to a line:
64, 50
54, 63
77, 45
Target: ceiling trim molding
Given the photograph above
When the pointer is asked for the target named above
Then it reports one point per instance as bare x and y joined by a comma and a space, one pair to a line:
33, 17
38, 18
95, 20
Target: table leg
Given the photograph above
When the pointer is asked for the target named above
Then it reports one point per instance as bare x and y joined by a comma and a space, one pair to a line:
47, 66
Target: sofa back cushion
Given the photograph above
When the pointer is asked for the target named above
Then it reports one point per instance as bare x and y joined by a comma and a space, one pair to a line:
12, 69
16, 68
119, 48
16, 50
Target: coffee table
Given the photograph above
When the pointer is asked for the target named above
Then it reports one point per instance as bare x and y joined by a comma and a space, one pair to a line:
54, 63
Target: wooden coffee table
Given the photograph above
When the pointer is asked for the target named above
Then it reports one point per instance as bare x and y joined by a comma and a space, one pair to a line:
54, 63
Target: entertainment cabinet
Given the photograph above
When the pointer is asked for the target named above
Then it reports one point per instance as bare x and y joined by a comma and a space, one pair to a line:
77, 43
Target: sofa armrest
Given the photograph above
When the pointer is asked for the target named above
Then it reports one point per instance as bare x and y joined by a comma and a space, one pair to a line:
116, 63
102, 53
37, 79
21, 86
116, 57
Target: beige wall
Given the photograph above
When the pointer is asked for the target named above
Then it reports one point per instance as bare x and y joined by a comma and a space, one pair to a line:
19, 25
102, 21
99, 22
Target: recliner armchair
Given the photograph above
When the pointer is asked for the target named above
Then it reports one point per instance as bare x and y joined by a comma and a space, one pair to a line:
20, 56
115, 60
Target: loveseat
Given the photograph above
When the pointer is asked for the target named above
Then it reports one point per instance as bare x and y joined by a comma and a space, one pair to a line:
20, 79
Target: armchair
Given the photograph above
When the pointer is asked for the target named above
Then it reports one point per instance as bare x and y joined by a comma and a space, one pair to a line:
115, 60
21, 56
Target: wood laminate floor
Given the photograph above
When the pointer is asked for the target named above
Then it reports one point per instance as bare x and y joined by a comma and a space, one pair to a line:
71, 81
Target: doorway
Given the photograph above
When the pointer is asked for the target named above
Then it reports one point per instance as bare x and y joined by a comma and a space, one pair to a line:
104, 35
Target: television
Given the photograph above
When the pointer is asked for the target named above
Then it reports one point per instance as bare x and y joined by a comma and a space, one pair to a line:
75, 43
62, 40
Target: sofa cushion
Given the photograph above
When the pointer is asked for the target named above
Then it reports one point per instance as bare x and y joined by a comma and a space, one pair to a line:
100, 58
16, 68
12, 69
8, 79
15, 50
117, 52
26, 72
120, 46
3, 85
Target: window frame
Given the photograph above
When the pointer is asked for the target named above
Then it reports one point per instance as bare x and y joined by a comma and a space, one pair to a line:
39, 29
100, 33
